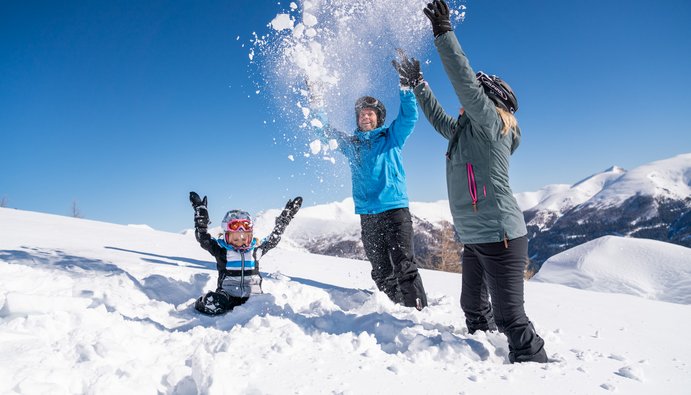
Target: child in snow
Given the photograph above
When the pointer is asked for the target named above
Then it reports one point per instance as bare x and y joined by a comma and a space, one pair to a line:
237, 253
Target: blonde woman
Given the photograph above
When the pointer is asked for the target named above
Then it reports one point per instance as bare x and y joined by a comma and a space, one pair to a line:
486, 216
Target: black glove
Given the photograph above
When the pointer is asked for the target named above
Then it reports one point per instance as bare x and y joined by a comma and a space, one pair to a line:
408, 70
289, 211
438, 13
201, 213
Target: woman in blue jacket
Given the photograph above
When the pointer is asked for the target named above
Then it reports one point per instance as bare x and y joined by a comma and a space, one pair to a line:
381, 199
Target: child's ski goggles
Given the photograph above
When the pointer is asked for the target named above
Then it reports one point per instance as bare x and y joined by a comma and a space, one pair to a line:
239, 225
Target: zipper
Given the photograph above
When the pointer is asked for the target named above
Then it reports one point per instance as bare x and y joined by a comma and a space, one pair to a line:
472, 187
242, 272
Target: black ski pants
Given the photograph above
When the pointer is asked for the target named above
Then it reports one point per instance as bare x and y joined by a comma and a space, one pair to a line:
388, 241
495, 270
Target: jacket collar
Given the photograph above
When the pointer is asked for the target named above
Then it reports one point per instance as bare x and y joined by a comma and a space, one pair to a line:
371, 135
221, 241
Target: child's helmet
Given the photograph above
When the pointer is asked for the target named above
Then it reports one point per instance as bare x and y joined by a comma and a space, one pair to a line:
499, 91
370, 102
237, 220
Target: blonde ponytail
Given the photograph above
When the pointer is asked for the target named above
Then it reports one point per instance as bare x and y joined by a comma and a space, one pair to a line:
509, 120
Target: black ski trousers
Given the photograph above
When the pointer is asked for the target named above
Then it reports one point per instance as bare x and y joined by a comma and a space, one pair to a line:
388, 241
493, 270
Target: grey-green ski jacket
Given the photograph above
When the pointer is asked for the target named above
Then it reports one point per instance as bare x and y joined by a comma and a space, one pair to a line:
477, 166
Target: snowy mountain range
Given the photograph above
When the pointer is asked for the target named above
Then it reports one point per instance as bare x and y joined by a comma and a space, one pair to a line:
92, 307
652, 201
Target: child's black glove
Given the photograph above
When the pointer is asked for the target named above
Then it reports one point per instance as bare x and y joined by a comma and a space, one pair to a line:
201, 213
408, 70
438, 13
289, 211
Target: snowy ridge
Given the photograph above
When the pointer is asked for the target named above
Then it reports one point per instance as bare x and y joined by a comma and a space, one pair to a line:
528, 200
647, 268
320, 220
557, 199
651, 201
91, 307
664, 179
668, 178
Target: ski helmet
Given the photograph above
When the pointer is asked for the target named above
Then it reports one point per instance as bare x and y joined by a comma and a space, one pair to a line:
370, 102
237, 220
499, 91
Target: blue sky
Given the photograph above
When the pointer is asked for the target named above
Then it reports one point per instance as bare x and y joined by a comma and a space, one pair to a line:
124, 107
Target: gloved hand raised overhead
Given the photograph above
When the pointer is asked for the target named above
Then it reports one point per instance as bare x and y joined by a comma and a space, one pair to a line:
438, 13
289, 211
408, 70
201, 213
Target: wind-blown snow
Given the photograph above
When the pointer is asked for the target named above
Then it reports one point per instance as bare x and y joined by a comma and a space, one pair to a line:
648, 268
91, 307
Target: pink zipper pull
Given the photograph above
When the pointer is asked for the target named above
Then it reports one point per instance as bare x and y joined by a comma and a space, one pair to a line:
472, 187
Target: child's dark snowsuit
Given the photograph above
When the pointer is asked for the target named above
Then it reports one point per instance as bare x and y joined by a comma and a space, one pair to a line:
238, 269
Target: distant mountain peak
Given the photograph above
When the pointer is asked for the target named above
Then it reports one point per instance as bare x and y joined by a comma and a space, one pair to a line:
615, 169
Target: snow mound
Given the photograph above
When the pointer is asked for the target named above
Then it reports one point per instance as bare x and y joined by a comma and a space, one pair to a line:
647, 268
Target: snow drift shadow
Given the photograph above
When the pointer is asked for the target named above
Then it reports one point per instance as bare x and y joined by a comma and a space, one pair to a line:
193, 262
155, 286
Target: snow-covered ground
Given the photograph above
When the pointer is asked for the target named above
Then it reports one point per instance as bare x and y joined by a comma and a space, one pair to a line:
91, 307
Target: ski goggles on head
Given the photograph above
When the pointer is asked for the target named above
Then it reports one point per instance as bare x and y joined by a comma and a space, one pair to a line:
239, 225
366, 102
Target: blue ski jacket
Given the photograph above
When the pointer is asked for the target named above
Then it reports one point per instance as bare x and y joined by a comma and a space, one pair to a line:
378, 177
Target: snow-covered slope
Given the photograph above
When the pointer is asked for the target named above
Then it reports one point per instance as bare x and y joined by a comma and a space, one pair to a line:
90, 307
648, 268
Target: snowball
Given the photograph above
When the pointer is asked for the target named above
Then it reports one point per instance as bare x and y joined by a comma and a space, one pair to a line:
309, 20
281, 22
291, 158
317, 124
315, 147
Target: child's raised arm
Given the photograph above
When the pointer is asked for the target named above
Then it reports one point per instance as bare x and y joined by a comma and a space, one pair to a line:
201, 221
282, 221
